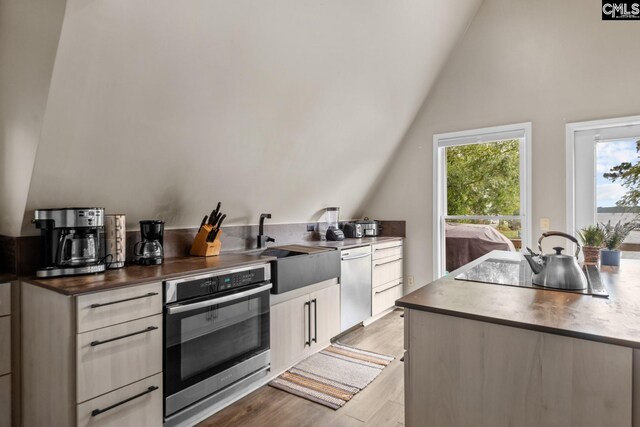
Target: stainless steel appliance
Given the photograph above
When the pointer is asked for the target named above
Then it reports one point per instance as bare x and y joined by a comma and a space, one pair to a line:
149, 250
370, 228
353, 230
116, 240
355, 286
72, 241
216, 336
557, 270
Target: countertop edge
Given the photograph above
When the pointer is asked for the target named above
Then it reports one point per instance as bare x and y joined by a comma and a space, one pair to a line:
420, 299
35, 281
520, 325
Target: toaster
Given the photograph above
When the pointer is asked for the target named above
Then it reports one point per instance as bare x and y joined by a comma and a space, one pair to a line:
353, 230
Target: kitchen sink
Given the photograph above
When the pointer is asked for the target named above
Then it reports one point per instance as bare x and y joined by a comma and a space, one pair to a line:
280, 253
298, 266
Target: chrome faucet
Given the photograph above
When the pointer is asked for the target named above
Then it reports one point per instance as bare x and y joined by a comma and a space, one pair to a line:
262, 238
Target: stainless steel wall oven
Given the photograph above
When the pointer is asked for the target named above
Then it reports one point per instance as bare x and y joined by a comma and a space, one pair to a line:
216, 333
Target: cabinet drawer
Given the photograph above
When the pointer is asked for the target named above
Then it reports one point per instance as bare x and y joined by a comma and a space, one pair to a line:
5, 401
384, 250
133, 407
5, 299
385, 296
5, 345
121, 305
386, 270
113, 357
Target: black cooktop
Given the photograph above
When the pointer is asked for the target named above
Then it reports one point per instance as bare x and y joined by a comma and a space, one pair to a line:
509, 272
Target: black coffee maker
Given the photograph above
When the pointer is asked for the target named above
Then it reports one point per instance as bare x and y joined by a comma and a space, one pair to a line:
73, 241
149, 250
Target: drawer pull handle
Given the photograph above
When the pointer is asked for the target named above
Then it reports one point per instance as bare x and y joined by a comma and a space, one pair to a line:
386, 249
115, 405
149, 329
394, 286
307, 305
388, 262
315, 319
150, 294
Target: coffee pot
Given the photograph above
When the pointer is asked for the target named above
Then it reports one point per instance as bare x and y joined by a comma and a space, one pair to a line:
77, 248
149, 250
557, 270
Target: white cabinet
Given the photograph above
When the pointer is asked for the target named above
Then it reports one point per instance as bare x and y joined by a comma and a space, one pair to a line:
387, 249
289, 337
461, 372
112, 357
385, 270
325, 308
385, 296
386, 276
138, 404
303, 325
101, 309
90, 352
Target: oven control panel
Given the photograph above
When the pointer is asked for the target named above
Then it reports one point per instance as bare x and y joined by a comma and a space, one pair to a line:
196, 286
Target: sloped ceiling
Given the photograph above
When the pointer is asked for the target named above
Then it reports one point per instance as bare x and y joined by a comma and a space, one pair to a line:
160, 108
29, 33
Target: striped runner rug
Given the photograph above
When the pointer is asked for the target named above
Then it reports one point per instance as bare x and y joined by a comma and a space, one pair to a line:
333, 376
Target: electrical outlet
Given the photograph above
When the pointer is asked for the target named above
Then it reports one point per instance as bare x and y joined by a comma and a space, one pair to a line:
311, 227
409, 280
545, 224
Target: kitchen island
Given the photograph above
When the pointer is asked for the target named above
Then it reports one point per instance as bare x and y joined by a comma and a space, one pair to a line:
482, 354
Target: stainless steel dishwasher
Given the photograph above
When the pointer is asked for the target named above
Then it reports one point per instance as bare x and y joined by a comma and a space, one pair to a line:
355, 286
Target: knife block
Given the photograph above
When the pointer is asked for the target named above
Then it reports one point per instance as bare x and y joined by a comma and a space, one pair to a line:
201, 247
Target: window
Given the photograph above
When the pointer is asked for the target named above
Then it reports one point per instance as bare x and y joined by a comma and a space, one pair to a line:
593, 149
481, 193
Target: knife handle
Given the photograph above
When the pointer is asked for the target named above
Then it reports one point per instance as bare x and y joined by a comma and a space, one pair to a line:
219, 223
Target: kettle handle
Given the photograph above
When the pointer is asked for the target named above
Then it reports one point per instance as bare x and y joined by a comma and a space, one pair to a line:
561, 234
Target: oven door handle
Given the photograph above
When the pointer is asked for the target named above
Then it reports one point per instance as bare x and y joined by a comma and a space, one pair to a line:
179, 308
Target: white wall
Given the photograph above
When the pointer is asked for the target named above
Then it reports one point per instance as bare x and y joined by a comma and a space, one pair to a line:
160, 108
545, 61
29, 31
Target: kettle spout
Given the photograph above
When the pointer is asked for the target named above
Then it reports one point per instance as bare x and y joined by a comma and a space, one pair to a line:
534, 261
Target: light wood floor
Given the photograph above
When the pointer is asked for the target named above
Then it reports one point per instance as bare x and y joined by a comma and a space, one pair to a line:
380, 404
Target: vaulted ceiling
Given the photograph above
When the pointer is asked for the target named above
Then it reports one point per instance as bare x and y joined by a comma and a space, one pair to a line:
158, 109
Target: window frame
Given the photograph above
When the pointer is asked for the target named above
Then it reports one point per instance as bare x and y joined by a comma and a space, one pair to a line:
474, 136
571, 130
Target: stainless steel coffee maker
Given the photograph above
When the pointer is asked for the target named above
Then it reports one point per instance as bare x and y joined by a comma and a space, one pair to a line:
72, 241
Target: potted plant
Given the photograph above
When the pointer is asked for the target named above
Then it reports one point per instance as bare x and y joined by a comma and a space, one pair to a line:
592, 238
614, 235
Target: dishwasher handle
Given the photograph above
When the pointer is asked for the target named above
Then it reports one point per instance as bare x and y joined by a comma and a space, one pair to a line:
355, 257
